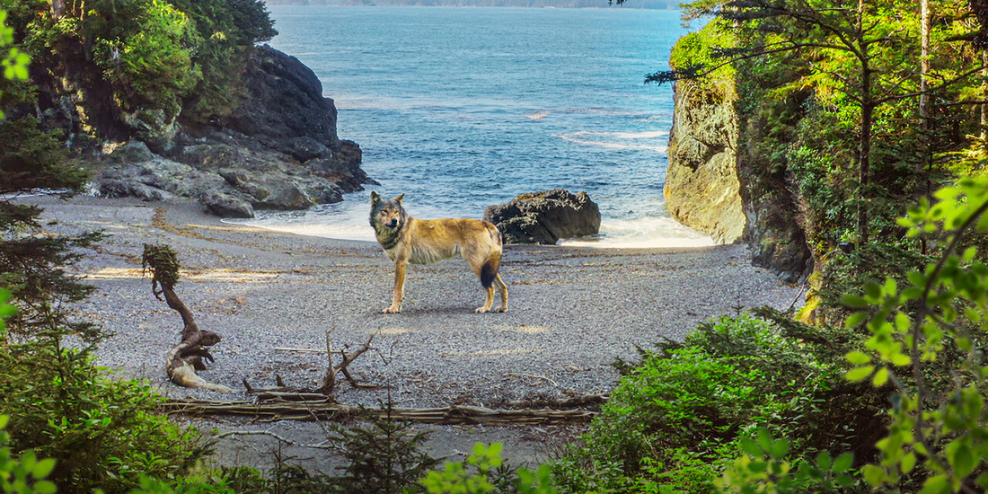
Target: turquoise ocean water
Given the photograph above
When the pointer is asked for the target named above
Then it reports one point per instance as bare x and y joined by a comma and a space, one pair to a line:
460, 108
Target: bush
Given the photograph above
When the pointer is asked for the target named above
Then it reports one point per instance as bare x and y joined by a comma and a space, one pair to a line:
152, 67
677, 419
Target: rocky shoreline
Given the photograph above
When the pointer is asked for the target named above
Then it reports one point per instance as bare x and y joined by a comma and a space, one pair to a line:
272, 296
279, 150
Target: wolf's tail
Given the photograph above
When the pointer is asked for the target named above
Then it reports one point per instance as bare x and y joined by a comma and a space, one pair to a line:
488, 272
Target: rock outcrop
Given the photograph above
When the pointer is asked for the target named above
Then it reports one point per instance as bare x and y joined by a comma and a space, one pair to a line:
702, 187
545, 217
279, 150
720, 183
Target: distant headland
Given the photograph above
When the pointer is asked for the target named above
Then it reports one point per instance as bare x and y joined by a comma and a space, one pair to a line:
569, 4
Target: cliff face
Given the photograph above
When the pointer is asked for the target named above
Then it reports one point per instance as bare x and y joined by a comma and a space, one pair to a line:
720, 182
702, 187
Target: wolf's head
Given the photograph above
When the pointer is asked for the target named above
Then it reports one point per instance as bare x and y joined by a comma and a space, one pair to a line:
387, 215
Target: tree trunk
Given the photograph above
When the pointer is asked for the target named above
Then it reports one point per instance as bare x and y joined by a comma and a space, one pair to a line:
924, 64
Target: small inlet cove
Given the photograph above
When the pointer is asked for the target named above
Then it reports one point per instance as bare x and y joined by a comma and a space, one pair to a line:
460, 109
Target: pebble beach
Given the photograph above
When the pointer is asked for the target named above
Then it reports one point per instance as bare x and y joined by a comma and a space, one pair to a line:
273, 297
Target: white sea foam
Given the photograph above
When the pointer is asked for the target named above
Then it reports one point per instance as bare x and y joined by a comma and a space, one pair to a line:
617, 140
539, 115
645, 233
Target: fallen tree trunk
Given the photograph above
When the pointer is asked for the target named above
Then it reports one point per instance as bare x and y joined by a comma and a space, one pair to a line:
327, 410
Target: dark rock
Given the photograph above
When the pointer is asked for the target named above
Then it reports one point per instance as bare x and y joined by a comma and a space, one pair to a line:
126, 188
545, 217
131, 152
306, 148
285, 103
156, 128
282, 194
226, 206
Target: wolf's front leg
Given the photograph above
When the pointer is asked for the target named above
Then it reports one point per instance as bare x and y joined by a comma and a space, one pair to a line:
399, 293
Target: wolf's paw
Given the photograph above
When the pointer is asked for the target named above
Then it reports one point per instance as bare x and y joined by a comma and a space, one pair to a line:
481, 310
392, 310
501, 309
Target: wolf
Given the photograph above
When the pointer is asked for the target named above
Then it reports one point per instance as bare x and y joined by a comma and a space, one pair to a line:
410, 240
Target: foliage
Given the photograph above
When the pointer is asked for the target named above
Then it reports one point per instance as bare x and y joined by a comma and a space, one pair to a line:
764, 468
937, 438
101, 431
33, 158
229, 29
14, 62
24, 475
698, 51
385, 457
152, 65
483, 472
677, 419
940, 307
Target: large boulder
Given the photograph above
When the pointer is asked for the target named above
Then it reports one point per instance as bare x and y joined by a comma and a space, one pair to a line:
285, 104
545, 217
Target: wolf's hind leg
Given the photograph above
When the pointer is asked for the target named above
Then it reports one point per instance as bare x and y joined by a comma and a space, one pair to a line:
488, 300
503, 290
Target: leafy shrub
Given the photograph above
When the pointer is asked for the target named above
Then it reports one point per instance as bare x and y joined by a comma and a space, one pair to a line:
484, 472
152, 66
676, 420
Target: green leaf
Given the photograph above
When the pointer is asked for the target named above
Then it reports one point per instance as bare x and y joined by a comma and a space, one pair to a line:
858, 358
823, 460
874, 475
843, 462
43, 468
779, 448
936, 485
881, 377
751, 448
860, 373
960, 456
758, 466
916, 278
908, 462
901, 359
873, 290
44, 487
855, 320
765, 439
854, 301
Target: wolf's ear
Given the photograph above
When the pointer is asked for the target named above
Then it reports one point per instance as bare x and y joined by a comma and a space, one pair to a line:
399, 198
375, 198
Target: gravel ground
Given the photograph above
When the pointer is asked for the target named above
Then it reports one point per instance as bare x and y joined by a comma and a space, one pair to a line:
272, 296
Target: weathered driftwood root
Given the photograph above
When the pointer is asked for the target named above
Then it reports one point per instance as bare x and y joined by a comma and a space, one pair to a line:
329, 381
328, 410
191, 354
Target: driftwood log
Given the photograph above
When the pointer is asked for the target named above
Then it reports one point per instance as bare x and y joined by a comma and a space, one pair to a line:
321, 407
191, 353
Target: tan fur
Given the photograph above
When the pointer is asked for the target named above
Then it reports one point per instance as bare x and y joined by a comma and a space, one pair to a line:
418, 241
